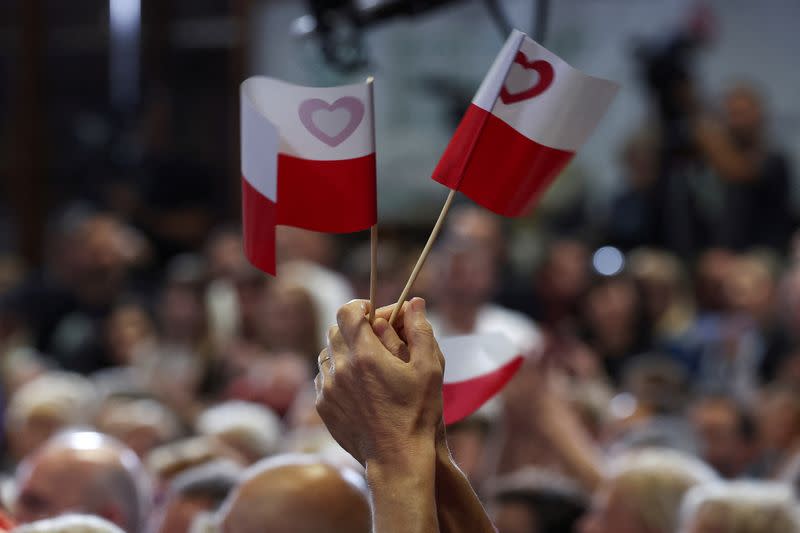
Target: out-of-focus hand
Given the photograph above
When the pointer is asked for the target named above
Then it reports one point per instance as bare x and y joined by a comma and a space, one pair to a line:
381, 403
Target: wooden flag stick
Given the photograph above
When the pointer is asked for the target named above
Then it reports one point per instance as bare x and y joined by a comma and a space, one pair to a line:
424, 255
373, 270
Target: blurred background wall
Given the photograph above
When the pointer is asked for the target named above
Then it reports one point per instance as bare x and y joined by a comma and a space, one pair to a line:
85, 106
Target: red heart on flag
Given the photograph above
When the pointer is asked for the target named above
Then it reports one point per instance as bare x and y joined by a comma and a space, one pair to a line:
546, 75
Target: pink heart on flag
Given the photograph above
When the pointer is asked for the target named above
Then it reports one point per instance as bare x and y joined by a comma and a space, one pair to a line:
543, 69
326, 123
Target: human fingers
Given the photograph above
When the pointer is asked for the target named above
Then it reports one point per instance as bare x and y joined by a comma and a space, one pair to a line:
390, 339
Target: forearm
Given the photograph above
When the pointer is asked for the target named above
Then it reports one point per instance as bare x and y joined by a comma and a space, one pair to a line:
565, 434
458, 507
402, 487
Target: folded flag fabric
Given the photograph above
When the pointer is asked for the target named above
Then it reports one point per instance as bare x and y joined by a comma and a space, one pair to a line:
530, 115
477, 367
308, 160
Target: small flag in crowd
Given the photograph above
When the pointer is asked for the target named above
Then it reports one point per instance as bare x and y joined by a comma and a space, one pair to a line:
477, 367
308, 160
530, 115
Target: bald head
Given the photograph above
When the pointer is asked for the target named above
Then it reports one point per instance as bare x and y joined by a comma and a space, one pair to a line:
83, 472
300, 494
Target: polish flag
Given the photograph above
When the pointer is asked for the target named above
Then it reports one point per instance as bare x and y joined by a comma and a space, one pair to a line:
308, 160
530, 115
476, 368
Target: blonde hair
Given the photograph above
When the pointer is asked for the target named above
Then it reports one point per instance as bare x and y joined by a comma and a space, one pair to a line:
741, 507
654, 482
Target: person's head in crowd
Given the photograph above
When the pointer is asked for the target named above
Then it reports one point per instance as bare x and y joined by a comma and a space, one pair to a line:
613, 320
140, 423
289, 320
71, 523
297, 493
467, 442
466, 259
744, 115
224, 253
252, 429
740, 507
43, 407
562, 278
86, 472
129, 327
250, 286
725, 431
197, 490
659, 384
272, 381
750, 286
664, 289
711, 272
93, 254
394, 264
295, 244
170, 460
532, 500
181, 308
643, 492
639, 160
778, 421
471, 226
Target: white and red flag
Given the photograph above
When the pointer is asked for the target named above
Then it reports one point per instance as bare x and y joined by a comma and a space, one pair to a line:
308, 160
477, 367
530, 115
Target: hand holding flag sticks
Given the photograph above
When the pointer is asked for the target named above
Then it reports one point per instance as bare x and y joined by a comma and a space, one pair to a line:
308, 160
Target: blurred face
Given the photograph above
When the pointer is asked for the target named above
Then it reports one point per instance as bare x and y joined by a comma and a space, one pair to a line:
467, 275
715, 422
566, 274
778, 421
611, 306
181, 512
288, 321
99, 259
610, 513
128, 326
743, 115
712, 271
514, 517
225, 256
182, 313
749, 289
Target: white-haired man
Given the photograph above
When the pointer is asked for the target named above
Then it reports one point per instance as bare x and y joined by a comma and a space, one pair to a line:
42, 407
251, 429
70, 524
741, 507
85, 472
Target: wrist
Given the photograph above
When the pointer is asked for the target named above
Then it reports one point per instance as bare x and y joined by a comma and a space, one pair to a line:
410, 466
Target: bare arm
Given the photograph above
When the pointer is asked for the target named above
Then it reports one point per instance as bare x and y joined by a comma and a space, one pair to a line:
458, 507
403, 491
385, 410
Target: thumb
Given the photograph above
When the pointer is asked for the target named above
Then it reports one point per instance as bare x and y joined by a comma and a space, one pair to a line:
390, 339
419, 334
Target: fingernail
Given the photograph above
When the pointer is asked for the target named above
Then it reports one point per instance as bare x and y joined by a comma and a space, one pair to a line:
418, 305
380, 326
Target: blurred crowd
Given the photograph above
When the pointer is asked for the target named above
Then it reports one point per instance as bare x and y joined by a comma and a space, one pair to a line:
168, 388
